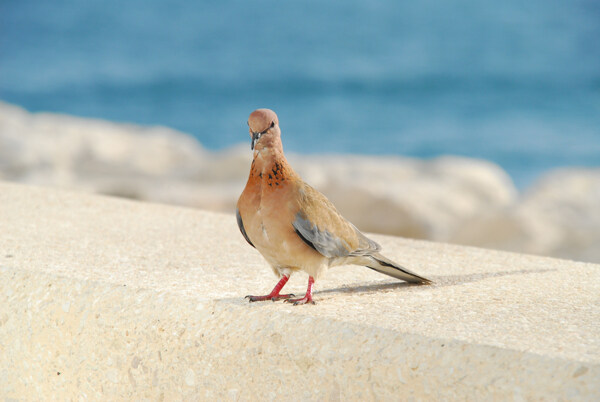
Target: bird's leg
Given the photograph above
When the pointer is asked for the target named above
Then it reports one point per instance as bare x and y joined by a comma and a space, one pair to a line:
307, 297
274, 295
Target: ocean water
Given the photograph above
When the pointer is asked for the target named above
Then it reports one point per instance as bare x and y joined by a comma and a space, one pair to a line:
517, 83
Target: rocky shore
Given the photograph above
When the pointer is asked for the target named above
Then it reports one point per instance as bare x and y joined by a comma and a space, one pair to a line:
448, 199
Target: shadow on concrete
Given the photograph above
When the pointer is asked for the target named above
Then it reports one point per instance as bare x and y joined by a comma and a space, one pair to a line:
438, 282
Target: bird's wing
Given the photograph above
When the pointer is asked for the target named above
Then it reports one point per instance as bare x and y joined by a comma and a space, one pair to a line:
241, 226
320, 225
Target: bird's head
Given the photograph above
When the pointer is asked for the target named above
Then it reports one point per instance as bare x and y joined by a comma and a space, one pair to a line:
264, 127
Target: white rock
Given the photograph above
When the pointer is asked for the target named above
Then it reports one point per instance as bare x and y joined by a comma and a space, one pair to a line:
409, 197
448, 198
558, 216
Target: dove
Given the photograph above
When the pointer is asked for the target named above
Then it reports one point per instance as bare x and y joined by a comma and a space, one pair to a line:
294, 226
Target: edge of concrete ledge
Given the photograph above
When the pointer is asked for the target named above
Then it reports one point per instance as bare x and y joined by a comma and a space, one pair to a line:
96, 332
101, 340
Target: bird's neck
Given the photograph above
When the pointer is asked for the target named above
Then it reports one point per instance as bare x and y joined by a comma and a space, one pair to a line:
270, 166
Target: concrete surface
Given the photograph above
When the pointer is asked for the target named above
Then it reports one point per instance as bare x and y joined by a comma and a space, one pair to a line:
103, 298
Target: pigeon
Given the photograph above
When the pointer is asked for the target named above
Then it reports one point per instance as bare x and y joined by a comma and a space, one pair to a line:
294, 226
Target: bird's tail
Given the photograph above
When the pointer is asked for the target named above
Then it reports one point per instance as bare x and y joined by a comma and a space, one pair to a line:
386, 266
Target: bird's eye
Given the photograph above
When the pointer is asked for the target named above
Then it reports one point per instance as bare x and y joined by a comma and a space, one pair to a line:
272, 124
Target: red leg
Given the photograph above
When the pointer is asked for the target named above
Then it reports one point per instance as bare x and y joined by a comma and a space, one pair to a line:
274, 295
307, 297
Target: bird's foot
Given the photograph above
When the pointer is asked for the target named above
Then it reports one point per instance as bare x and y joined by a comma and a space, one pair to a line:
305, 300
274, 295
271, 297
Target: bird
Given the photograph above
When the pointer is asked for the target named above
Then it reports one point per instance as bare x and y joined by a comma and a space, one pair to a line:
294, 226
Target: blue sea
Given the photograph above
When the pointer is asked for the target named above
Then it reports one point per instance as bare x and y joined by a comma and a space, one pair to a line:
514, 82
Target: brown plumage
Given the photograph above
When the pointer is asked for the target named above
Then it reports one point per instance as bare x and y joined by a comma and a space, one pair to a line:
294, 226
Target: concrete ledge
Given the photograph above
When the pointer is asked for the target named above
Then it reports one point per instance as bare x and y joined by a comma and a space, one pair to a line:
112, 299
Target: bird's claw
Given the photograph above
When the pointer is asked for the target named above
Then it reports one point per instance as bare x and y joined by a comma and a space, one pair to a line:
280, 297
298, 302
268, 297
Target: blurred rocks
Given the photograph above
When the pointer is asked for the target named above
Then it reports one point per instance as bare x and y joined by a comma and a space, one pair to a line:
450, 199
408, 197
557, 216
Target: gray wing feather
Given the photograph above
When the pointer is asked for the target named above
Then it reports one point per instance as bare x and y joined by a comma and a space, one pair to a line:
366, 245
241, 226
323, 241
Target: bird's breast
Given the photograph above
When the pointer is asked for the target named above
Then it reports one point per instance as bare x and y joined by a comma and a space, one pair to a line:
270, 204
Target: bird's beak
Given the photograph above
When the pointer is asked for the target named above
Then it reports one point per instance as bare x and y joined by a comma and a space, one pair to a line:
255, 138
